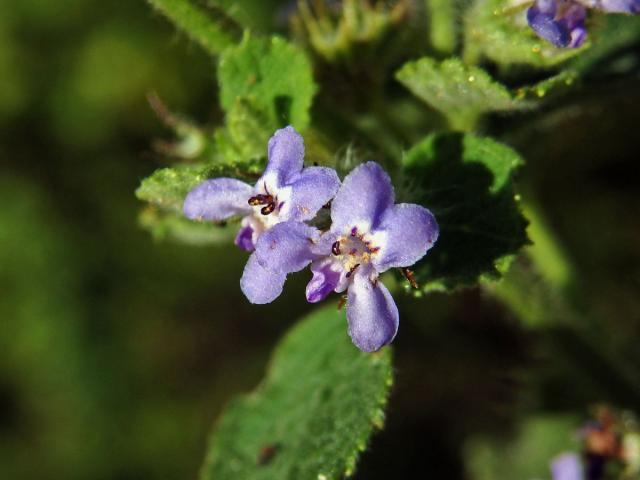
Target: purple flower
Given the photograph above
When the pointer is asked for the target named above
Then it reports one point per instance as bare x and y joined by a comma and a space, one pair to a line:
567, 467
618, 6
369, 235
286, 191
560, 22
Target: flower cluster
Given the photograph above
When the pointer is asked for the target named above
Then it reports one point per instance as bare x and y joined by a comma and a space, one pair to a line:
610, 443
562, 22
369, 233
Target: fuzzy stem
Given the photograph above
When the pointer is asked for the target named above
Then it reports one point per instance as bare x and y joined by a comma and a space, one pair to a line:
210, 28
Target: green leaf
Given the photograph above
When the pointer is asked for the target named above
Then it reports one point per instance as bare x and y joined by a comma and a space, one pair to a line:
209, 27
314, 413
466, 181
535, 286
165, 226
443, 22
246, 133
462, 93
549, 87
526, 456
274, 76
501, 34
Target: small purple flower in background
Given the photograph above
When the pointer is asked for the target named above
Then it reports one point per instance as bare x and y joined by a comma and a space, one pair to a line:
562, 22
369, 235
286, 191
567, 467
617, 6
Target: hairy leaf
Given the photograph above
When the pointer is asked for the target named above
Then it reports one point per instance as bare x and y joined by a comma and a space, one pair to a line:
274, 76
466, 181
314, 413
175, 227
245, 135
462, 93
550, 87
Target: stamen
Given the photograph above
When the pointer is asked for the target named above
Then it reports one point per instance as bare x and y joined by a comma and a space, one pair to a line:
353, 269
268, 209
354, 231
408, 274
260, 200
335, 248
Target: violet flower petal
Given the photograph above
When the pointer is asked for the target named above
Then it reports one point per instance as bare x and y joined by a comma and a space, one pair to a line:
311, 190
409, 231
371, 313
366, 193
619, 6
218, 199
286, 155
548, 7
567, 467
259, 284
244, 239
546, 26
573, 20
325, 280
578, 36
286, 247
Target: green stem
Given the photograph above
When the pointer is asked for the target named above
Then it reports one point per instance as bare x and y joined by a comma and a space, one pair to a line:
442, 25
538, 291
210, 28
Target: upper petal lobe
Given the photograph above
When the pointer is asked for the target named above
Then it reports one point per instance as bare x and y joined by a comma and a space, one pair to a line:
366, 193
311, 190
371, 313
218, 199
286, 155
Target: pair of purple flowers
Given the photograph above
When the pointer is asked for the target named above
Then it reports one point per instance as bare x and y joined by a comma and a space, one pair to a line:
562, 22
369, 233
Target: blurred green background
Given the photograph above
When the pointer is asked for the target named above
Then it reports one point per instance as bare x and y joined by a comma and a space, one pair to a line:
117, 352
